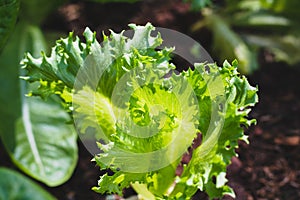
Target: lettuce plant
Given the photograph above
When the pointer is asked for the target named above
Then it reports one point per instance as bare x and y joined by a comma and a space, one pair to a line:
145, 115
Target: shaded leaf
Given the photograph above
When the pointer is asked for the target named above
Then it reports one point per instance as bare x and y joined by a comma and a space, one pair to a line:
8, 15
35, 11
14, 186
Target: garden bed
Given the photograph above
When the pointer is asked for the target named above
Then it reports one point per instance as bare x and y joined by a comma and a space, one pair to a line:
268, 168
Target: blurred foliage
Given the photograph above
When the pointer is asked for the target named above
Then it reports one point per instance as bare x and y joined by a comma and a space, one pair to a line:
111, 1
198, 4
15, 186
35, 11
8, 15
241, 28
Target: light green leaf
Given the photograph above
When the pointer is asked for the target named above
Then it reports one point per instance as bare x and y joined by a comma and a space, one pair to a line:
14, 186
117, 182
90, 102
44, 145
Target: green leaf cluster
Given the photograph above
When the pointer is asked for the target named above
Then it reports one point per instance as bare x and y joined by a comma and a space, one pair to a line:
122, 85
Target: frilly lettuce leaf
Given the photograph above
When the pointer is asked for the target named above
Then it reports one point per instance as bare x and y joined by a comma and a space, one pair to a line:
206, 171
123, 86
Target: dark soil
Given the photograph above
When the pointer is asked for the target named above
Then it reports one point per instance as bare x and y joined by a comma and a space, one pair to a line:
267, 168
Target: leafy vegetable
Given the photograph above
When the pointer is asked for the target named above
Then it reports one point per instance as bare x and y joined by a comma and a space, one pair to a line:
35, 133
144, 115
14, 186
8, 15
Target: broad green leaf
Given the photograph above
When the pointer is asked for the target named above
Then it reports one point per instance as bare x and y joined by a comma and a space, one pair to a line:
44, 145
35, 133
14, 186
8, 15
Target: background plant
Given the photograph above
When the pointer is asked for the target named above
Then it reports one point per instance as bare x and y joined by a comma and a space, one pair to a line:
242, 28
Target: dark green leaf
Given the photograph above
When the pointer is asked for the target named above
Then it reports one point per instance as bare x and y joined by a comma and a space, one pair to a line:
35, 11
14, 186
8, 15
